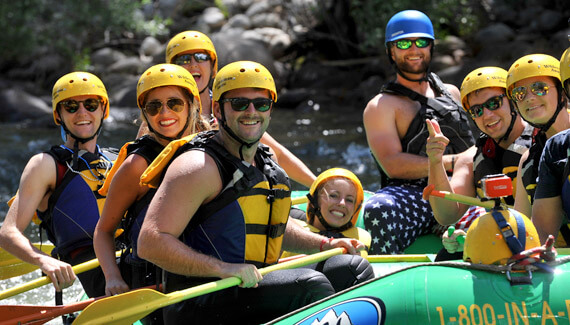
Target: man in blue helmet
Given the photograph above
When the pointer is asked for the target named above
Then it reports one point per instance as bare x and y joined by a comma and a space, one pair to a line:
395, 123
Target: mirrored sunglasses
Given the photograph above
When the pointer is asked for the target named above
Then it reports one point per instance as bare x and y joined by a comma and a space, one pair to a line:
72, 105
187, 58
241, 104
154, 107
491, 104
404, 44
538, 88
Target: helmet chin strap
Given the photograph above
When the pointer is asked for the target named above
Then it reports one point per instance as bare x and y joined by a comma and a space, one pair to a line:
510, 129
234, 136
65, 131
399, 72
314, 209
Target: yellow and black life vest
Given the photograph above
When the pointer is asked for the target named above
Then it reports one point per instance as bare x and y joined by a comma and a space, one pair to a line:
245, 223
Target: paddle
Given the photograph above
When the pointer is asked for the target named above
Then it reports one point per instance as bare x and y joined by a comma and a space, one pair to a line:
129, 307
24, 314
79, 268
376, 258
11, 266
299, 200
430, 190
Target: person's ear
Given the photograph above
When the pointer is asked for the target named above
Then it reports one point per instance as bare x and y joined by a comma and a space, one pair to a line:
216, 109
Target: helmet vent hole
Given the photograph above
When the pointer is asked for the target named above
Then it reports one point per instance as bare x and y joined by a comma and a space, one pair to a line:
242, 70
530, 61
71, 81
256, 70
84, 79
148, 73
162, 70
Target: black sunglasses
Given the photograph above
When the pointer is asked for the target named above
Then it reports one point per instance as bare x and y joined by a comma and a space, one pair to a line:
72, 105
187, 58
491, 104
241, 104
154, 107
404, 44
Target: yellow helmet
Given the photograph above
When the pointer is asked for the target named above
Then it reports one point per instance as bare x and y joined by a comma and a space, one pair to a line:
243, 74
188, 41
531, 66
334, 173
78, 83
485, 243
166, 75
480, 78
565, 71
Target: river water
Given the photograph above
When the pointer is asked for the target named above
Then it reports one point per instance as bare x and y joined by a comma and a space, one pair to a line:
320, 138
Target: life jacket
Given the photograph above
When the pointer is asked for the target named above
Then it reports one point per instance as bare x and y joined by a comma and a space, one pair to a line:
491, 159
530, 166
75, 205
147, 148
445, 109
245, 223
352, 232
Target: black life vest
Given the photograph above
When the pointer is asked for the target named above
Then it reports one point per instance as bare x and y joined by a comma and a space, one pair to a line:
75, 205
492, 159
452, 119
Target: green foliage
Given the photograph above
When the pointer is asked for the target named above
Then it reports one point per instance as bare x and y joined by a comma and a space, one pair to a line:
70, 27
449, 17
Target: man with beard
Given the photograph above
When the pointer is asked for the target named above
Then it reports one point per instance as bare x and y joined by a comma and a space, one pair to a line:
222, 210
396, 132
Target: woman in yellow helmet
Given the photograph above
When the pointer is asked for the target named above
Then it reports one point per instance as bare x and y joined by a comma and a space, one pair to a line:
170, 104
195, 52
535, 88
335, 200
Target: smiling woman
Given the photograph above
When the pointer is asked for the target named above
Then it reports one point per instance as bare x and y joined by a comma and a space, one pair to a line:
335, 200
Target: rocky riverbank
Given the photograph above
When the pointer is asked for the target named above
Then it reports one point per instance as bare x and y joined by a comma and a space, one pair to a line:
276, 33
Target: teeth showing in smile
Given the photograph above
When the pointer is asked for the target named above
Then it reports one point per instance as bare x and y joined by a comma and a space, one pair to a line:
83, 123
493, 124
531, 108
249, 123
167, 122
337, 213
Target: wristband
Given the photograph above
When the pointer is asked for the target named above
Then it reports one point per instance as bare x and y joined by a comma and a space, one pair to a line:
324, 241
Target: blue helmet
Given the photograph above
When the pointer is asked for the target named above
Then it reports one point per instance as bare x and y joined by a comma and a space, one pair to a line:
408, 23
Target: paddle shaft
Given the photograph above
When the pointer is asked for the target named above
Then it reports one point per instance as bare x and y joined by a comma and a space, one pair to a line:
377, 258
79, 268
299, 200
429, 190
123, 308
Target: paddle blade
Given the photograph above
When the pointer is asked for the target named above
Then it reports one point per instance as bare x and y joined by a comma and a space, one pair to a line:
22, 314
126, 308
11, 266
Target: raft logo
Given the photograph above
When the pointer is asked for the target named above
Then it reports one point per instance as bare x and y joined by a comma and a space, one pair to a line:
356, 311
